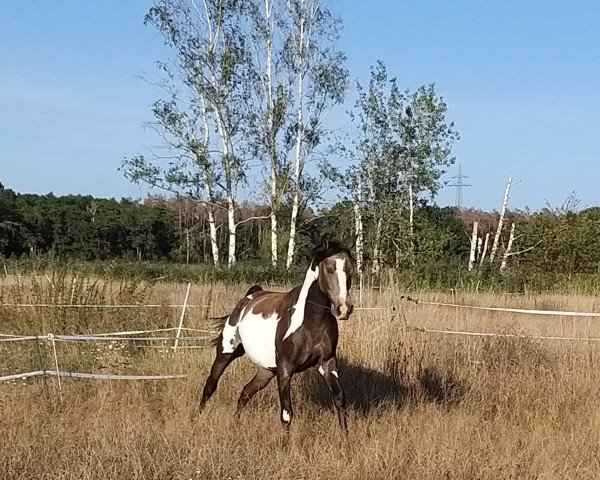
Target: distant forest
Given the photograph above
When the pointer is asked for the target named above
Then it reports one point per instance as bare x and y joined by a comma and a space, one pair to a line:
550, 241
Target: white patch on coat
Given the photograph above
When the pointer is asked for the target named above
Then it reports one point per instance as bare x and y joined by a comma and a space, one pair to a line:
249, 297
341, 275
321, 371
333, 372
298, 308
285, 416
230, 337
257, 334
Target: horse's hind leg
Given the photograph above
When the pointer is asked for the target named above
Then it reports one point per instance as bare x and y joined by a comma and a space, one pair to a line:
221, 362
258, 382
329, 371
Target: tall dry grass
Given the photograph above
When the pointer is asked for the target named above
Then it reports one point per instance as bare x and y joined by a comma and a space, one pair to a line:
421, 406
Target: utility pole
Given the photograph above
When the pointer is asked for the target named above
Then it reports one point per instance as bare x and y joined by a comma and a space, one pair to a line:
459, 186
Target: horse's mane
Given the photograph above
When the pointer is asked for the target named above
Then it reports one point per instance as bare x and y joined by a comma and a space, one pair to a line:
324, 251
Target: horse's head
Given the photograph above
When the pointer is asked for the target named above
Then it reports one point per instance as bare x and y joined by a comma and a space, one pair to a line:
336, 267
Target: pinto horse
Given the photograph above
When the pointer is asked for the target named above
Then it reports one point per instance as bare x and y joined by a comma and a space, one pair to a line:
285, 333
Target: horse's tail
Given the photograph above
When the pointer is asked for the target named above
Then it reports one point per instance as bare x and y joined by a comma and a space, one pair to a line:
217, 323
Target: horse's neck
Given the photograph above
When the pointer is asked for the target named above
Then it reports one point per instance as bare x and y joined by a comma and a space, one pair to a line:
317, 297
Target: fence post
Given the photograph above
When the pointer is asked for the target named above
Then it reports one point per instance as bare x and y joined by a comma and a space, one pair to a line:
51, 338
178, 334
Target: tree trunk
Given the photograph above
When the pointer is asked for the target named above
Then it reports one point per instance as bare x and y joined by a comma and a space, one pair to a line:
232, 231
411, 220
299, 135
500, 221
358, 230
473, 246
227, 167
187, 246
214, 245
485, 247
377, 248
508, 248
271, 132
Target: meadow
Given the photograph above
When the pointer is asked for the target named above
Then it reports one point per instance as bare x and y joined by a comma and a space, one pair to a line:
421, 405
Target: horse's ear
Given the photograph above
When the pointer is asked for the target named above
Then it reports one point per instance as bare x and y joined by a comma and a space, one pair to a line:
325, 242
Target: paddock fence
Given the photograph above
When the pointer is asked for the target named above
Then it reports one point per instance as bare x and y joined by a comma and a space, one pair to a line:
133, 335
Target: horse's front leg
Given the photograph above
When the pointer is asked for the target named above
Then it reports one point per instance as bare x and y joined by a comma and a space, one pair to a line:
284, 381
329, 371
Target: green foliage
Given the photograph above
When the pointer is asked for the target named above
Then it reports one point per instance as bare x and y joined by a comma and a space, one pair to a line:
566, 243
84, 227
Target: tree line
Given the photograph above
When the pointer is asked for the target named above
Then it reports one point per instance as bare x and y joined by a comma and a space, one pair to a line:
550, 241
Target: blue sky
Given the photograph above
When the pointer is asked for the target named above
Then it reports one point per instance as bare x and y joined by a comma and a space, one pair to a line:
521, 80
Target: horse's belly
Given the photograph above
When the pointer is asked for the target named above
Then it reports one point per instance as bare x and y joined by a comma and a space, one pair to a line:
257, 334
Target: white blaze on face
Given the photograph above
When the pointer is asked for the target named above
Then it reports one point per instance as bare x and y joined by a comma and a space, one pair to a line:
341, 276
298, 308
285, 416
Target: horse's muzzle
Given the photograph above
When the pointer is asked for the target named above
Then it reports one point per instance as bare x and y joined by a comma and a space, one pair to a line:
343, 312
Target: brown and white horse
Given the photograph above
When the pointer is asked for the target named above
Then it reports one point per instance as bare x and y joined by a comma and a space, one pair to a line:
285, 333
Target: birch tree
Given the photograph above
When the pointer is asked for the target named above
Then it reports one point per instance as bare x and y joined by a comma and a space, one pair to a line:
209, 84
321, 81
272, 90
402, 146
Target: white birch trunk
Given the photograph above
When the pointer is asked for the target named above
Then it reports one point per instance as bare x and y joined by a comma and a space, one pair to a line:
229, 188
273, 237
271, 132
232, 231
500, 221
411, 217
358, 229
208, 189
214, 246
473, 246
485, 247
508, 248
214, 38
376, 247
479, 245
298, 151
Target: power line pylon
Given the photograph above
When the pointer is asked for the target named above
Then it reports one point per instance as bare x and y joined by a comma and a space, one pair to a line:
459, 186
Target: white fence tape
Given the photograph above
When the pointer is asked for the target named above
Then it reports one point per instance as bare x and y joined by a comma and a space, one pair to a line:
15, 338
510, 335
18, 376
100, 376
515, 310
75, 338
85, 305
113, 336
157, 330
422, 302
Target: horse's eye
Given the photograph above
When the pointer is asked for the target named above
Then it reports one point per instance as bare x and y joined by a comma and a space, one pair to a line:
330, 271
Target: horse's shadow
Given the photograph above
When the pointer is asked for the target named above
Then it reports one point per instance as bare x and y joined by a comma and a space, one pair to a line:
367, 389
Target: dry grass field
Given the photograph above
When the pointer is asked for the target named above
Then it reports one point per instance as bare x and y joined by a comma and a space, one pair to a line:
421, 405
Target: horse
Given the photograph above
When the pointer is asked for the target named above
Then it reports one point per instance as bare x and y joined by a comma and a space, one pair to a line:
285, 333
